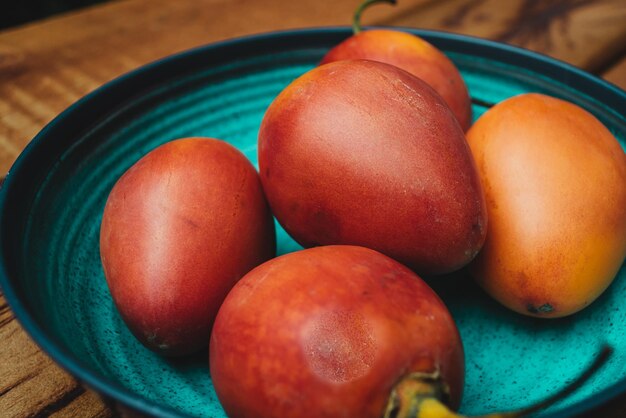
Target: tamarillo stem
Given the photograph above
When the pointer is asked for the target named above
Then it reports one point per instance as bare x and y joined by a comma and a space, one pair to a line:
356, 20
423, 395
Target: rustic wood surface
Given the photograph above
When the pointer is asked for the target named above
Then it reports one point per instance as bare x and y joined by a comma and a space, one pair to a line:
47, 65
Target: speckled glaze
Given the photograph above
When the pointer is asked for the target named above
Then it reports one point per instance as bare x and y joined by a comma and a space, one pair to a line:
52, 201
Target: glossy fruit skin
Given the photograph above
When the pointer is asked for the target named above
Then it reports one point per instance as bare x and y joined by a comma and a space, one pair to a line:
363, 153
179, 228
555, 183
327, 332
412, 54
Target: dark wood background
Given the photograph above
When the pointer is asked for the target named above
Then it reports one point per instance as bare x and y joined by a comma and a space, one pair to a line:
47, 65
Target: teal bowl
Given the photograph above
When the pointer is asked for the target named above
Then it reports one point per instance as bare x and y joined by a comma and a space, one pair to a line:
53, 197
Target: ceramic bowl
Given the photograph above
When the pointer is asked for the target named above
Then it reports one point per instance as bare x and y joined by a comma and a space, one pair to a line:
52, 201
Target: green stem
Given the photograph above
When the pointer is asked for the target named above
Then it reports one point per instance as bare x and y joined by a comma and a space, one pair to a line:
423, 395
356, 21
408, 396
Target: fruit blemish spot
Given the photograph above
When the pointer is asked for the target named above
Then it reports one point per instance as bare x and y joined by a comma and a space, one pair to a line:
545, 308
338, 345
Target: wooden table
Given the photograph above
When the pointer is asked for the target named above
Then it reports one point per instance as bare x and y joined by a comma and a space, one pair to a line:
47, 65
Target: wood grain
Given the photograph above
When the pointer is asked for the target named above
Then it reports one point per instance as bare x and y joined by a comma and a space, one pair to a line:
31, 384
616, 74
590, 34
46, 66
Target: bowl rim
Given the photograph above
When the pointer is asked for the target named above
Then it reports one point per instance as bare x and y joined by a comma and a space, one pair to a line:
612, 96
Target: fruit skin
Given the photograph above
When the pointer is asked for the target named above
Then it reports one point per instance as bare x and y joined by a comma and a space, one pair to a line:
555, 183
327, 332
363, 153
412, 54
179, 228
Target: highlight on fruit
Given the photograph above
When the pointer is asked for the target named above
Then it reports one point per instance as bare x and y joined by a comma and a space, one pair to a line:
360, 152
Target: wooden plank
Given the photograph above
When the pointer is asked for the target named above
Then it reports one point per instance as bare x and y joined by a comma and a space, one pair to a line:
586, 33
616, 74
31, 383
87, 404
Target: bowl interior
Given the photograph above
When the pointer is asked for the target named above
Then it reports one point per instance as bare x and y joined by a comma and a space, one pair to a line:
56, 195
